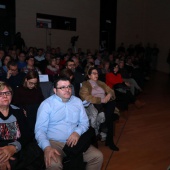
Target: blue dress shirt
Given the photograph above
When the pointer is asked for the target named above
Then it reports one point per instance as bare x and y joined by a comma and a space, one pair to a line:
57, 120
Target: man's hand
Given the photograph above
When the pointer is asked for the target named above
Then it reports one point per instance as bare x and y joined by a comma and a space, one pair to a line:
5, 166
9, 73
49, 153
73, 139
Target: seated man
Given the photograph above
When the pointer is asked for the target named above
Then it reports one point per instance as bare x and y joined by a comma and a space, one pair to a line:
61, 119
13, 77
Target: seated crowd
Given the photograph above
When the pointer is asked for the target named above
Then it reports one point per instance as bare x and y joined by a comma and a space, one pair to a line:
60, 121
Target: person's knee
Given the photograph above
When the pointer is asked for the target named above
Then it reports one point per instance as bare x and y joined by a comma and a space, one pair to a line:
100, 156
55, 165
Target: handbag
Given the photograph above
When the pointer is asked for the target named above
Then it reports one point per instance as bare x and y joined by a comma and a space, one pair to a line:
121, 87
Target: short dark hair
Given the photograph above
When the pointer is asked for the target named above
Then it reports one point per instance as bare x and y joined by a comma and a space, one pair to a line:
66, 73
12, 63
91, 69
28, 57
60, 78
70, 60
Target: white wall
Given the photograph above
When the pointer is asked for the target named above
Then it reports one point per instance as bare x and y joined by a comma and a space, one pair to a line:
145, 21
86, 12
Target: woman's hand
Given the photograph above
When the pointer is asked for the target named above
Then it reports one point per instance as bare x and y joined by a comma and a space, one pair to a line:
6, 153
5, 166
49, 153
106, 99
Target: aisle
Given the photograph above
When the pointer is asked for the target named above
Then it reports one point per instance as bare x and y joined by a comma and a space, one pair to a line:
144, 139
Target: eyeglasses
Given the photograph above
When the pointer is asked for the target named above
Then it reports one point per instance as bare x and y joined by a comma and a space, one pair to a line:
32, 84
71, 65
14, 70
94, 73
6, 93
63, 88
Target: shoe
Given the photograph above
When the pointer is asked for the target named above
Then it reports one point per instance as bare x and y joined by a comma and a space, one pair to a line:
112, 146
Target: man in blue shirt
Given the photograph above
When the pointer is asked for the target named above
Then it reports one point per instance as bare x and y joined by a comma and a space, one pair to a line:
61, 119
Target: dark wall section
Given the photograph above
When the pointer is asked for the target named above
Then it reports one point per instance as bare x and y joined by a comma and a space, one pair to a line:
7, 20
108, 12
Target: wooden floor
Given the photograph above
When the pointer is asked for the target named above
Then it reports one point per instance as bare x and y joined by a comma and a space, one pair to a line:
144, 139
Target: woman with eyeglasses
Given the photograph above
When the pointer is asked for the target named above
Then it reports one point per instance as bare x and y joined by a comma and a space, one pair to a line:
14, 134
29, 96
103, 98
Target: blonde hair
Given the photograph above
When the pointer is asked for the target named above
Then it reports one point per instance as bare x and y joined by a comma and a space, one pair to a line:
3, 85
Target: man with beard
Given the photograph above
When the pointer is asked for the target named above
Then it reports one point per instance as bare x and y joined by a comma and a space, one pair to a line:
78, 76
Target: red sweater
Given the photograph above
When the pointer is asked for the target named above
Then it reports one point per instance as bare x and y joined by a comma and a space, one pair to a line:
112, 79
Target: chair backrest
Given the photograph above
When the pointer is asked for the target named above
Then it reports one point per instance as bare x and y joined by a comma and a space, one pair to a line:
47, 89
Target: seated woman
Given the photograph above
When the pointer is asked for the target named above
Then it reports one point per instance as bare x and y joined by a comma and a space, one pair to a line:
102, 96
134, 87
4, 69
29, 96
52, 69
122, 89
30, 65
13, 132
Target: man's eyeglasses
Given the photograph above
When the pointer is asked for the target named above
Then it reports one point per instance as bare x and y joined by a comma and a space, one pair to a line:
63, 88
6, 93
14, 70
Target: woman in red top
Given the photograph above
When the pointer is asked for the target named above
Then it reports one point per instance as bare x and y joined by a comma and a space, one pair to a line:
122, 89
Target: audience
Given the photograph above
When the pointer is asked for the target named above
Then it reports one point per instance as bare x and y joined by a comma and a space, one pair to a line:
22, 75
